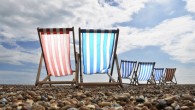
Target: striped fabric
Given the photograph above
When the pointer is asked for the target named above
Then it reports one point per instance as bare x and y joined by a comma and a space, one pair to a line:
158, 73
145, 71
169, 73
127, 68
56, 48
97, 51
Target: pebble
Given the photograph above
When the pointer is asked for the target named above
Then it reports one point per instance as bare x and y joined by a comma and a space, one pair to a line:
169, 108
123, 97
50, 97
3, 101
20, 97
103, 104
84, 108
169, 100
187, 97
66, 107
140, 99
37, 107
91, 106
32, 93
43, 98
185, 108
161, 103
137, 108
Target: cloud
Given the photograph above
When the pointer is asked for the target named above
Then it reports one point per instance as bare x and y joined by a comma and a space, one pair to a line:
156, 11
18, 56
20, 21
174, 36
190, 5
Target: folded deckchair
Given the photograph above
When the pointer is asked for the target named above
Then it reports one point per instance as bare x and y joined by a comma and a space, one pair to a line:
158, 75
97, 49
127, 68
55, 46
169, 75
144, 73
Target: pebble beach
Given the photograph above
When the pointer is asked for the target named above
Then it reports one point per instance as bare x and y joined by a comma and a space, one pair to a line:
142, 97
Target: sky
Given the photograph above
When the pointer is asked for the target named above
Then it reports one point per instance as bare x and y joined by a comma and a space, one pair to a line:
161, 31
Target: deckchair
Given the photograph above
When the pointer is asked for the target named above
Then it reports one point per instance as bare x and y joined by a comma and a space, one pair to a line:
97, 49
55, 46
127, 68
158, 75
169, 75
144, 72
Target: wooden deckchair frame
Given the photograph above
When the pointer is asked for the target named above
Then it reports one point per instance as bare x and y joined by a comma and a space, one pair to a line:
135, 80
114, 55
47, 79
164, 81
130, 73
159, 81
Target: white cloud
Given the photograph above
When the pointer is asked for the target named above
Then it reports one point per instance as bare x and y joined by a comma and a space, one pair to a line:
20, 21
190, 5
182, 49
174, 36
19, 55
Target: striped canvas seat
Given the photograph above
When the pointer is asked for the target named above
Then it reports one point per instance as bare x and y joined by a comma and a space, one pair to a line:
127, 68
56, 49
144, 72
55, 45
169, 75
158, 74
98, 53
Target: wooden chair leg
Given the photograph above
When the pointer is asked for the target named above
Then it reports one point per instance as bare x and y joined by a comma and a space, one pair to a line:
50, 80
118, 71
81, 74
77, 69
110, 77
39, 70
130, 81
175, 80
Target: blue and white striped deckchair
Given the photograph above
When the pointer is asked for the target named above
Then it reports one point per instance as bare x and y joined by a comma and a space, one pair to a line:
158, 74
144, 72
127, 68
98, 53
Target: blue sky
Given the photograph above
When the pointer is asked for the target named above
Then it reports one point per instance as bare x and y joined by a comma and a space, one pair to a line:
150, 30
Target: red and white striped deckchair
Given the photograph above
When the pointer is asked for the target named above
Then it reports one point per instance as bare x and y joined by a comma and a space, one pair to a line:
169, 75
55, 45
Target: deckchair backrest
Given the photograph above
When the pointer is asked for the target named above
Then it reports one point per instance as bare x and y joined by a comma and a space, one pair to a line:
55, 44
145, 70
169, 74
127, 68
158, 73
98, 48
